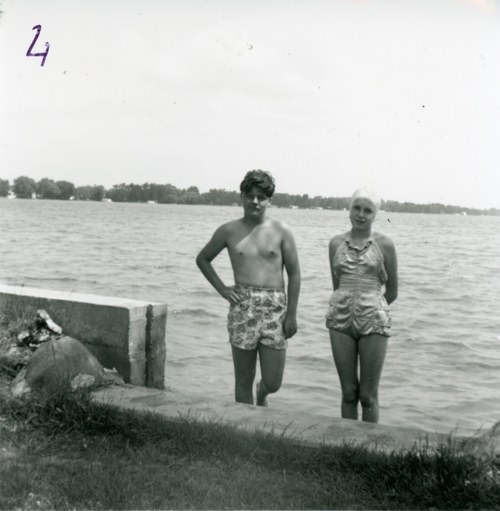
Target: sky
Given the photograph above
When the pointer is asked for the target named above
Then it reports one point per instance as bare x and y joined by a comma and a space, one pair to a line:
402, 96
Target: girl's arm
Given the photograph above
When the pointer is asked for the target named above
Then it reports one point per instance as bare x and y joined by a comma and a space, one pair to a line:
332, 249
391, 267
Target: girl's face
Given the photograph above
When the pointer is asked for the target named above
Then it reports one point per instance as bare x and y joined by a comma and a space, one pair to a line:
362, 213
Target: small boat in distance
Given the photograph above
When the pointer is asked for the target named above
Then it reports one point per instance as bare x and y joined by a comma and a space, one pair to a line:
106, 200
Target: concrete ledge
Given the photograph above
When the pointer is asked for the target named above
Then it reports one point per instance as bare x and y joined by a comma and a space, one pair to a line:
156, 348
308, 429
128, 335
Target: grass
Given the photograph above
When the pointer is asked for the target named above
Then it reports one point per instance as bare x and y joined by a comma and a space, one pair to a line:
68, 452
12, 322
65, 452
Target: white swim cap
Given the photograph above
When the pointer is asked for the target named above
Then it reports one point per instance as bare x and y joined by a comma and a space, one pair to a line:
365, 193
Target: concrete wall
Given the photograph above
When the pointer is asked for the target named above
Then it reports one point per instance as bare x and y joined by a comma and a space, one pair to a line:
128, 335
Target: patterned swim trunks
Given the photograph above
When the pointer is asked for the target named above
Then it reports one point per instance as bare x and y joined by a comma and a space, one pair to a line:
258, 318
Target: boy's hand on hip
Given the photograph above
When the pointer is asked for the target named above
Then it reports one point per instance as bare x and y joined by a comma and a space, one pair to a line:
232, 295
289, 326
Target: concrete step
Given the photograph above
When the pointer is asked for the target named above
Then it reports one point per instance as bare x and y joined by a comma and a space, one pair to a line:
302, 427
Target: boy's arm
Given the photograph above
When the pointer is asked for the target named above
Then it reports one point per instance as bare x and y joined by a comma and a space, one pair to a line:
291, 261
204, 261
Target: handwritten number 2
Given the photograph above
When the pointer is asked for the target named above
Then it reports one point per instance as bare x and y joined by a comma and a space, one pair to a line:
43, 54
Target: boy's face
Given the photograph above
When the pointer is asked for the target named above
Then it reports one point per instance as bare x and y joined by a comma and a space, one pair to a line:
255, 202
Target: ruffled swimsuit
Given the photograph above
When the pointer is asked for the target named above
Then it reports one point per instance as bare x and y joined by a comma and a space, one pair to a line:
358, 307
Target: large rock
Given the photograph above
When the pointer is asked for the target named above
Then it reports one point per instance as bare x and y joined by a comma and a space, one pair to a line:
56, 363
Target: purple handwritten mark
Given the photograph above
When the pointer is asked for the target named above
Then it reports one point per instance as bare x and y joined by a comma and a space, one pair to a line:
45, 53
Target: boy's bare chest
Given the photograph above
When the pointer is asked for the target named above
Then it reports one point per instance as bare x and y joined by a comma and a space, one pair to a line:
262, 245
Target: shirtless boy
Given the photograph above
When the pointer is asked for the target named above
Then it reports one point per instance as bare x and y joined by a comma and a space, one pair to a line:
259, 319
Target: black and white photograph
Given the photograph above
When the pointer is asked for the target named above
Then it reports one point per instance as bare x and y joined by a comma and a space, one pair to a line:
250, 254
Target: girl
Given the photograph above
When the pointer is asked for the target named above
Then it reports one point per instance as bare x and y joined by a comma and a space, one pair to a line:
364, 274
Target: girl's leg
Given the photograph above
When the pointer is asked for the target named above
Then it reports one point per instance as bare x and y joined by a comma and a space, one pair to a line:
245, 362
345, 355
272, 366
372, 350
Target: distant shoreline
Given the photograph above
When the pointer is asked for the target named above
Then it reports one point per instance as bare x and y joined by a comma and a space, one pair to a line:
282, 201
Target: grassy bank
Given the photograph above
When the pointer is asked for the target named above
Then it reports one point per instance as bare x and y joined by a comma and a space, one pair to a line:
67, 452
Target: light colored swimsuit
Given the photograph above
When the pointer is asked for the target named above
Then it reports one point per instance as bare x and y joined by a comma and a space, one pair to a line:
358, 307
258, 318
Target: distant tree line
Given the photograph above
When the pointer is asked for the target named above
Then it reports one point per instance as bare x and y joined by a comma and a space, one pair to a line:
26, 188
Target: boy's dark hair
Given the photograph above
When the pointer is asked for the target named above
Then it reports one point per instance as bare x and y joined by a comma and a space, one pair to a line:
259, 178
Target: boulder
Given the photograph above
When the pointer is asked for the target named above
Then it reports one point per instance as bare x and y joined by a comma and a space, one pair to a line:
56, 363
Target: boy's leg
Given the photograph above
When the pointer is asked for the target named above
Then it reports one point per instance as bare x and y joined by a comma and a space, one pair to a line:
272, 366
345, 355
372, 350
245, 362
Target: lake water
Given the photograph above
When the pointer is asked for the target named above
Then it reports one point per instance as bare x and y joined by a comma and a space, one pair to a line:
442, 370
